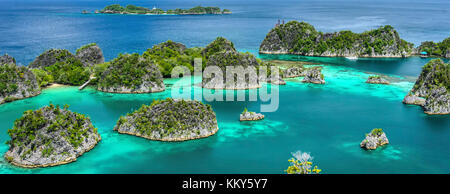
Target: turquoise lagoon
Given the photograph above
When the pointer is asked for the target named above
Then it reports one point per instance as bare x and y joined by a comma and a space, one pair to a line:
329, 121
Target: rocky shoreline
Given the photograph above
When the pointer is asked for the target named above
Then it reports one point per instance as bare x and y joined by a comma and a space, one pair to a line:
374, 139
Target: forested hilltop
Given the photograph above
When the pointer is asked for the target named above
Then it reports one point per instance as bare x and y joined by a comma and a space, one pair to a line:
439, 49
302, 38
132, 9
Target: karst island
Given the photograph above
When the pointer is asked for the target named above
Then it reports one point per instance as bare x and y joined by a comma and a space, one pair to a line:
133, 9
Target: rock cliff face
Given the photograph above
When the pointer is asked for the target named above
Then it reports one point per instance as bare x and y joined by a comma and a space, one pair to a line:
6, 59
50, 57
50, 136
377, 80
220, 44
170, 120
302, 38
374, 139
90, 55
433, 84
314, 75
131, 73
248, 79
16, 82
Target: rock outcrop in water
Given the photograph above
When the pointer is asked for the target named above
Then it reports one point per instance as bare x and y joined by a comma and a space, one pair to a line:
222, 54
50, 136
90, 55
377, 80
170, 120
16, 82
314, 75
431, 89
6, 59
250, 116
374, 139
131, 73
301, 38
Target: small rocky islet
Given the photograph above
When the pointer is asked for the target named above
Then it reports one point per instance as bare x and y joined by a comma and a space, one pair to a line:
376, 80
374, 139
170, 120
50, 136
250, 116
431, 90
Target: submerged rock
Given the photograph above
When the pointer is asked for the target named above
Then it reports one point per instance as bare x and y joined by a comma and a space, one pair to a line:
50, 57
433, 85
374, 139
17, 82
50, 136
250, 116
377, 80
6, 59
170, 120
131, 73
90, 55
314, 75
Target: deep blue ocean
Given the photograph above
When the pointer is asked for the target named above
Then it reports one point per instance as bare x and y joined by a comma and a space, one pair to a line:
327, 120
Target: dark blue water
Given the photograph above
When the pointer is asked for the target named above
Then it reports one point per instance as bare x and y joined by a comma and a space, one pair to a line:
327, 120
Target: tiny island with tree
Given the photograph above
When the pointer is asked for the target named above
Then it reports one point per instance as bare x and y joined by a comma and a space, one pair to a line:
133, 9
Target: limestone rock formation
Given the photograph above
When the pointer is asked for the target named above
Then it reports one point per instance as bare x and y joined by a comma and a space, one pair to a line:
50, 136
16, 82
170, 120
301, 38
218, 45
250, 116
90, 55
6, 59
314, 75
374, 139
50, 57
245, 77
433, 84
131, 73
377, 80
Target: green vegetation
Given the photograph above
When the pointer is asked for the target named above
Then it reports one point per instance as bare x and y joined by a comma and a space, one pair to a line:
301, 163
169, 115
37, 129
377, 132
10, 78
439, 78
70, 72
218, 45
128, 70
308, 40
132, 9
170, 54
435, 49
85, 46
245, 110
